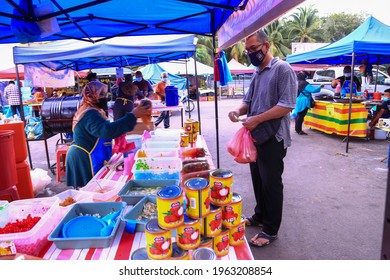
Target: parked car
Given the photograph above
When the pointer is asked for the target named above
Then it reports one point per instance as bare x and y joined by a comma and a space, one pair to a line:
326, 76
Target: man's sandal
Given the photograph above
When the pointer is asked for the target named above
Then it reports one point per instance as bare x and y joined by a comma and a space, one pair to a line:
269, 239
251, 222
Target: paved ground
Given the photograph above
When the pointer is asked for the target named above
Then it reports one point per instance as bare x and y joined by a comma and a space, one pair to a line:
333, 200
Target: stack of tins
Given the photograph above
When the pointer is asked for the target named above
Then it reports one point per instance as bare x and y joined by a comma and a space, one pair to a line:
24, 184
190, 135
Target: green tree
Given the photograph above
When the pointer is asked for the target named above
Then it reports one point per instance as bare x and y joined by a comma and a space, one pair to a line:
277, 36
204, 50
304, 25
339, 25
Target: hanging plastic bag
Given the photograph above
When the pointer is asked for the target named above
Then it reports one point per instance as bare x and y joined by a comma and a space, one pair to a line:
233, 146
247, 152
121, 145
34, 128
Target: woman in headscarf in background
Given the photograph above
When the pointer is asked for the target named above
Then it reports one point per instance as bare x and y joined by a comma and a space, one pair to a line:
92, 133
303, 103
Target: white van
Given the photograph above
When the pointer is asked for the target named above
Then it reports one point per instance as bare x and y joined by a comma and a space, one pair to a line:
327, 75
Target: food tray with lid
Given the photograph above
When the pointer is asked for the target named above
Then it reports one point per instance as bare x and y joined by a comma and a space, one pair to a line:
157, 168
32, 242
95, 209
134, 190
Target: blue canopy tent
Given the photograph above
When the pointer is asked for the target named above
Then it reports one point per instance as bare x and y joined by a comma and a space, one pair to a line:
115, 52
34, 20
152, 73
370, 41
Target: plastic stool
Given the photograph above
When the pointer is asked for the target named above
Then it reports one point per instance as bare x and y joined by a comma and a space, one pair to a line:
11, 192
60, 162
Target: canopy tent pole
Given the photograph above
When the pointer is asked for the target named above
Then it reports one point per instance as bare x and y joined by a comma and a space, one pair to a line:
377, 71
197, 93
188, 89
21, 107
350, 99
216, 101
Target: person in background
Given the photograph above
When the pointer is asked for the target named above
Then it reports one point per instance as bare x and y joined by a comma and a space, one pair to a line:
145, 89
272, 96
90, 148
125, 98
160, 91
303, 102
384, 111
346, 77
12, 95
39, 96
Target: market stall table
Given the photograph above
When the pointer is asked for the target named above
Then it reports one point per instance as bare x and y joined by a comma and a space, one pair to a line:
125, 243
332, 117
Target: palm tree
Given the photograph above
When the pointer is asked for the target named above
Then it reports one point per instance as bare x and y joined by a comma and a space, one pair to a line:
304, 26
204, 50
237, 52
276, 32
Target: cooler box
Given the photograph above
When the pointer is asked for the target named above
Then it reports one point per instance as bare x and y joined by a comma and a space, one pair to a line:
171, 96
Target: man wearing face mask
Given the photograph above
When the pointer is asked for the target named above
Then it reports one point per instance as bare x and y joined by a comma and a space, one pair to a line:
160, 91
346, 77
145, 89
270, 99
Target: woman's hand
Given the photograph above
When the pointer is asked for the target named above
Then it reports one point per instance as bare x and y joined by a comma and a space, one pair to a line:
141, 111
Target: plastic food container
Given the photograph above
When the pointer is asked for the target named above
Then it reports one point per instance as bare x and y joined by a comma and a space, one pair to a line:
168, 132
78, 196
33, 241
164, 138
99, 209
161, 144
3, 212
134, 190
157, 152
132, 217
136, 139
157, 168
102, 189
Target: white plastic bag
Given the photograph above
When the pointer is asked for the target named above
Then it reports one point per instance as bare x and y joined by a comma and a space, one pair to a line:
40, 179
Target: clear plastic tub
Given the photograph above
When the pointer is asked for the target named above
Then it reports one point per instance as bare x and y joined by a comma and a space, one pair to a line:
33, 241
156, 152
157, 168
78, 196
168, 132
160, 144
4, 205
102, 189
164, 137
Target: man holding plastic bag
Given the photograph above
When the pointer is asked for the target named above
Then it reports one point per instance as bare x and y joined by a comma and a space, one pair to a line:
268, 103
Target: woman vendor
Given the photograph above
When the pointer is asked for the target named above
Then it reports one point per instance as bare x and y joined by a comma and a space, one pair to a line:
90, 148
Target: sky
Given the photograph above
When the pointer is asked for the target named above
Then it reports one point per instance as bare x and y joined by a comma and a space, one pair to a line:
376, 8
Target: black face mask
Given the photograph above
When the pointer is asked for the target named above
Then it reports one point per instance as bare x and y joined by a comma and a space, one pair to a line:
102, 103
256, 58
